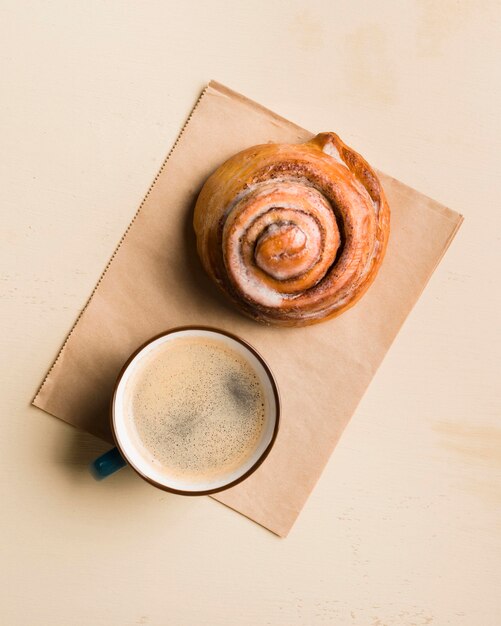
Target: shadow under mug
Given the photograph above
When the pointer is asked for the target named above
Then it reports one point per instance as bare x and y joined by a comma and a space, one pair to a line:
127, 452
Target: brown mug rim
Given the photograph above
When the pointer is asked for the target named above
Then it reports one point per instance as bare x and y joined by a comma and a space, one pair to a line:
261, 458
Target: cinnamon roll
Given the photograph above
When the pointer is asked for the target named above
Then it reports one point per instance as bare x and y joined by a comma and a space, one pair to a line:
293, 234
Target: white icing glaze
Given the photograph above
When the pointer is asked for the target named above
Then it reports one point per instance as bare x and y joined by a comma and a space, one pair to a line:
330, 149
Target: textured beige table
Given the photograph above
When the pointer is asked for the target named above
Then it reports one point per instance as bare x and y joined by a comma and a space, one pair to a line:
404, 527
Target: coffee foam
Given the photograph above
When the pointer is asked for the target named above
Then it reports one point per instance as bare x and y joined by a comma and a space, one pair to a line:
195, 409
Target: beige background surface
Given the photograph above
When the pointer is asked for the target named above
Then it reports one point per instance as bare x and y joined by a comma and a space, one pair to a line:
404, 526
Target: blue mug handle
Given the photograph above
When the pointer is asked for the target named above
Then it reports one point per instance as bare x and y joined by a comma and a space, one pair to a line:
108, 463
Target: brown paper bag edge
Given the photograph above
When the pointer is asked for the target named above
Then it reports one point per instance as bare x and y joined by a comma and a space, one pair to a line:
35, 401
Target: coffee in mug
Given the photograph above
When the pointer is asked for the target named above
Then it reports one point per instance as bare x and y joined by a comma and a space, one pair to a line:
194, 411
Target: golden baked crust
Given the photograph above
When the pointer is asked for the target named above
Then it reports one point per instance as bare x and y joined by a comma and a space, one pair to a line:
294, 234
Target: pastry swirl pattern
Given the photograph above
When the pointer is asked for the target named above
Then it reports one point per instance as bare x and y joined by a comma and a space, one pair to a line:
294, 234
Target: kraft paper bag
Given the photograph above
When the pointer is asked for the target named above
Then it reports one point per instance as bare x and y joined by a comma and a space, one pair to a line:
154, 281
